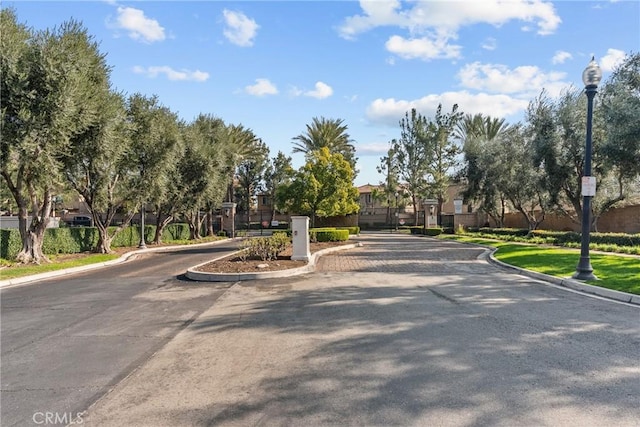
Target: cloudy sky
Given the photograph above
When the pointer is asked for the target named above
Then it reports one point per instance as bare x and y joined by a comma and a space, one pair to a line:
273, 66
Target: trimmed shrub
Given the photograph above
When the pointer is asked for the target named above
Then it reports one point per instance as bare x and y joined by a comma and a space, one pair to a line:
69, 240
176, 231
433, 231
352, 230
10, 243
331, 235
265, 248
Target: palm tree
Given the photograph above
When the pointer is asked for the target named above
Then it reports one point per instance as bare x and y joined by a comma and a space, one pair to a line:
329, 133
479, 126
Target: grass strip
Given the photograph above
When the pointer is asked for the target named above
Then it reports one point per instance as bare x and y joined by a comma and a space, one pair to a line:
613, 271
27, 270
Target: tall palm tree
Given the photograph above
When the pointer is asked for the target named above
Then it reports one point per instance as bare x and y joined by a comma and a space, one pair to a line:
479, 126
330, 133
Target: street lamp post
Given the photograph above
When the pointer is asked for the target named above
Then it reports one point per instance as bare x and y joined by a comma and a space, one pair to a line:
591, 76
397, 211
142, 244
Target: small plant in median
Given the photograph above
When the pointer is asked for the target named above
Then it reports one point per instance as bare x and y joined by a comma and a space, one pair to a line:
264, 248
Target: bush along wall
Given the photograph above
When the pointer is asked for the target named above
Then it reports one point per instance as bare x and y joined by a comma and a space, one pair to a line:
69, 240
352, 230
608, 242
328, 235
432, 231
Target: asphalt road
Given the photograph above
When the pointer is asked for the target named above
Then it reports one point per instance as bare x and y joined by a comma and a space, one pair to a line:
404, 331
67, 341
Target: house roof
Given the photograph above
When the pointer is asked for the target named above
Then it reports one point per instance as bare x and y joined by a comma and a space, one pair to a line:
367, 188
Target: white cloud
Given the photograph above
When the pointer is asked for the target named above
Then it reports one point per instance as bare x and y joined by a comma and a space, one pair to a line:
561, 57
261, 88
612, 59
450, 16
321, 91
239, 29
138, 25
523, 80
431, 24
171, 74
389, 111
490, 44
295, 91
372, 149
422, 48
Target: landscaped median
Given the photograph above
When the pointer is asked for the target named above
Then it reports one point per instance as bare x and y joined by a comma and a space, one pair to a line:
198, 273
616, 272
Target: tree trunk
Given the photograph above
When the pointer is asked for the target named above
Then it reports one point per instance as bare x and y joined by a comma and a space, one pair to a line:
104, 240
210, 221
160, 226
32, 236
194, 225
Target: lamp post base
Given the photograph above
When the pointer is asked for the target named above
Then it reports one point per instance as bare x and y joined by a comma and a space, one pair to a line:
584, 271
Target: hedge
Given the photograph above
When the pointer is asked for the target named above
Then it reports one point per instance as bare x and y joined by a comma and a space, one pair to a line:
328, 234
352, 230
432, 231
68, 240
560, 237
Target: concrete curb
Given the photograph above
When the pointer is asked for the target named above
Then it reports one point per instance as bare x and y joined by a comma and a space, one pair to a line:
203, 276
121, 259
565, 282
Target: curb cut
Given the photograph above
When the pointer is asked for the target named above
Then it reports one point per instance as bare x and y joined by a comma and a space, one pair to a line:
203, 276
123, 258
565, 282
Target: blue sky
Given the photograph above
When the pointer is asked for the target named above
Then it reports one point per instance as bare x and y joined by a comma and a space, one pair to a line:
273, 66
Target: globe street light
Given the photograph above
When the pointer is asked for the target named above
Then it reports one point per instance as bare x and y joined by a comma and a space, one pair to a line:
591, 76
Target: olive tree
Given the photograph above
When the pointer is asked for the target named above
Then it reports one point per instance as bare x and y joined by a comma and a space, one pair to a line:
52, 83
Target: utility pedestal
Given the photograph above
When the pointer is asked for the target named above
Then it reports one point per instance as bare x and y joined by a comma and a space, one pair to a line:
300, 236
229, 210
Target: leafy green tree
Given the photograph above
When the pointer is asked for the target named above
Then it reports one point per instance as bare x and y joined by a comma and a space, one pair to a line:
329, 133
481, 171
390, 168
413, 157
279, 172
155, 138
202, 170
249, 177
323, 187
558, 132
96, 166
517, 178
441, 153
52, 81
621, 110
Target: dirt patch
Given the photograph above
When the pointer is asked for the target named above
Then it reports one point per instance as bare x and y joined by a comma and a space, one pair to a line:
284, 261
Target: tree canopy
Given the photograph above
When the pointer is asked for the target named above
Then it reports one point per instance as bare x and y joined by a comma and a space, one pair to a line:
323, 187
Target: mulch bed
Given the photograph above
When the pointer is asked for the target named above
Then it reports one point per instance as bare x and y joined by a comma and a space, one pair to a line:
284, 262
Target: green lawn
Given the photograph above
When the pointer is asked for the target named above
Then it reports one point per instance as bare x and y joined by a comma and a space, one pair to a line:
26, 270
613, 271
